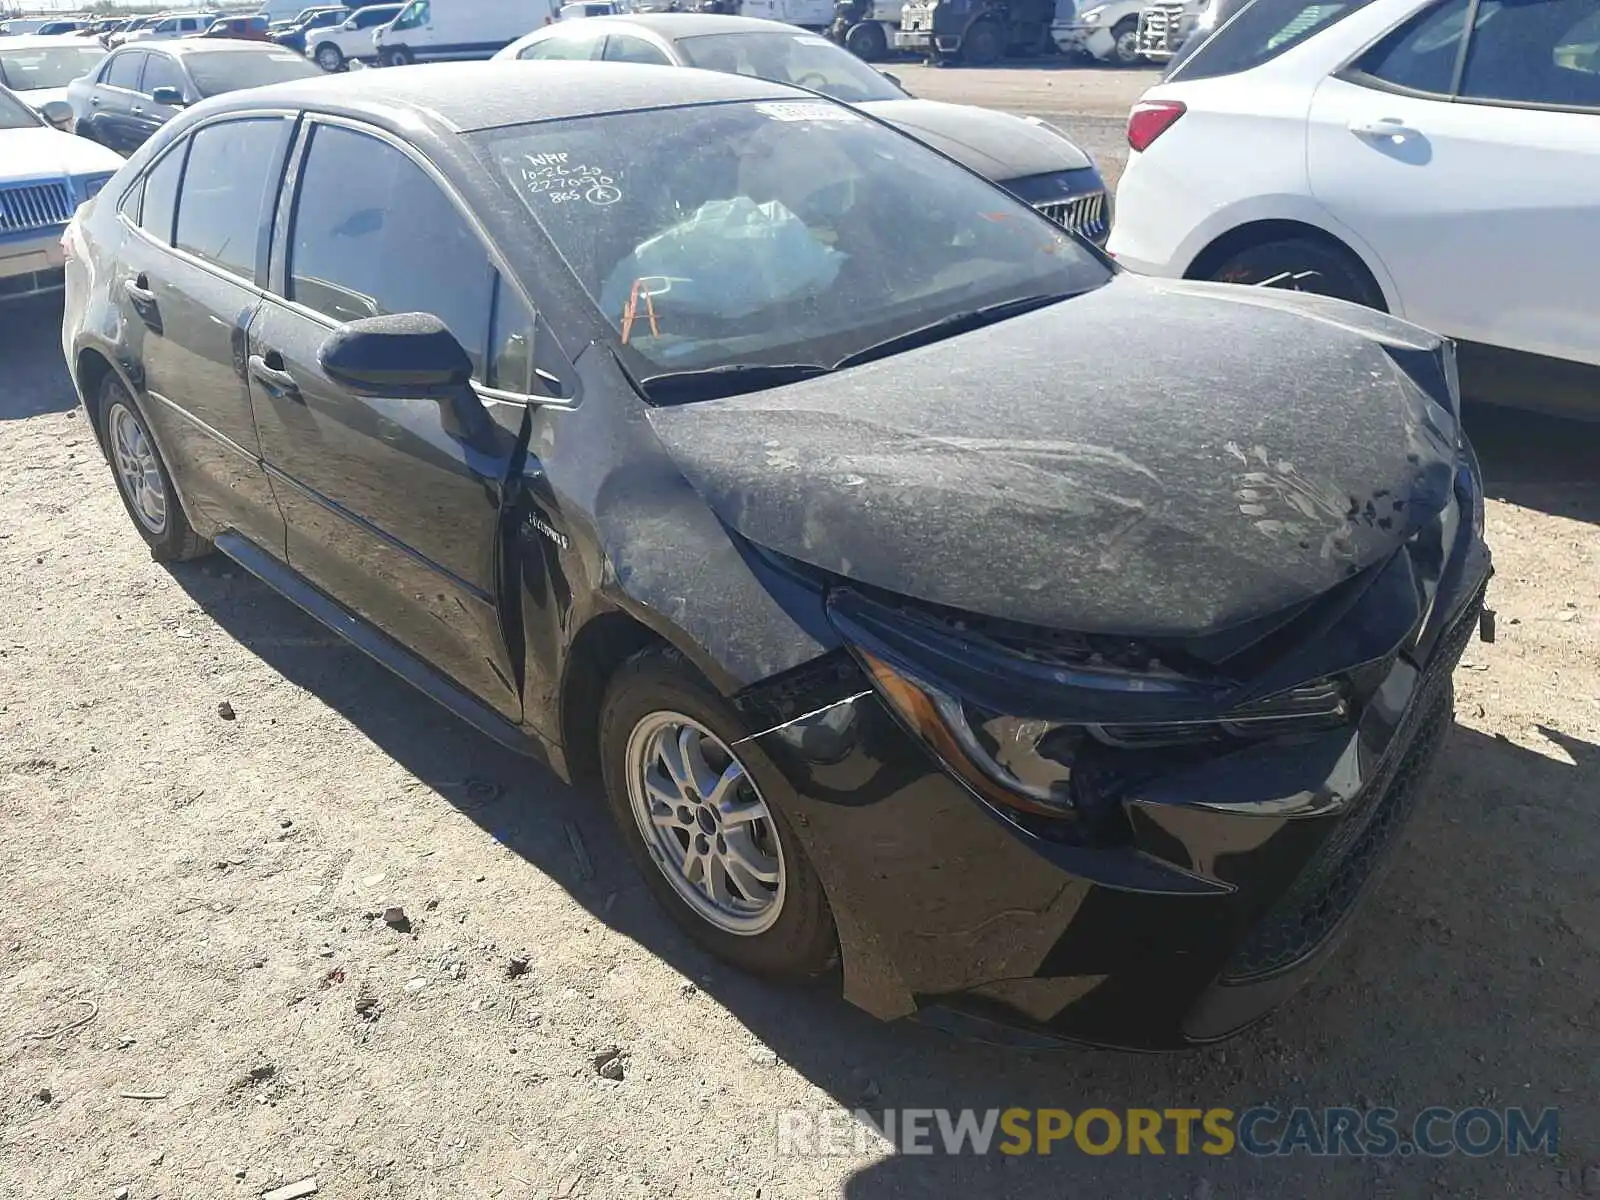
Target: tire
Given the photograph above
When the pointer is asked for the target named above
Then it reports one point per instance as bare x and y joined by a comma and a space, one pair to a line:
867, 42
397, 56
784, 930
1334, 271
330, 58
983, 46
1125, 53
131, 450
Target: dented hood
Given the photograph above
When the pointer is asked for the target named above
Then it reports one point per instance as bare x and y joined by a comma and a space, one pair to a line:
1152, 458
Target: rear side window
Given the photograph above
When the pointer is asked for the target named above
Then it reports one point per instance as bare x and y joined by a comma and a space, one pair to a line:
1543, 52
374, 234
161, 195
563, 47
1260, 33
225, 208
1421, 55
123, 71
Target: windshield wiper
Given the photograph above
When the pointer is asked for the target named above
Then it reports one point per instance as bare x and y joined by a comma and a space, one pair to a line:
944, 327
734, 379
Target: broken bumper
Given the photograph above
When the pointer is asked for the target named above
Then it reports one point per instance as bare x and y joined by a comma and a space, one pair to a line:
1239, 878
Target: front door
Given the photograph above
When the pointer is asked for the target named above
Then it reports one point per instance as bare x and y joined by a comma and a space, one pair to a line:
393, 505
1476, 195
146, 116
111, 101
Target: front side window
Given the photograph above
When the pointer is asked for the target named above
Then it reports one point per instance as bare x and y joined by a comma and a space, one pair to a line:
373, 234
170, 25
563, 47
226, 202
623, 47
221, 71
123, 70
1260, 33
46, 66
368, 17
161, 195
1544, 52
159, 72
1421, 55
799, 58
415, 16
765, 234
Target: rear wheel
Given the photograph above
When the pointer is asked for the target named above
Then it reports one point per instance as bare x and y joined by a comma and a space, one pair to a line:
142, 478
330, 58
698, 812
1302, 265
867, 42
983, 45
1125, 51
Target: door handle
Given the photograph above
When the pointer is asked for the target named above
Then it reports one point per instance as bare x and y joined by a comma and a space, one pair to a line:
279, 384
1391, 128
143, 299
94, 101
136, 109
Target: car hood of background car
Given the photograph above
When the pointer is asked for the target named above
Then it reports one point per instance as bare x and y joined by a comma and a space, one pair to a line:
997, 145
39, 97
42, 153
1242, 451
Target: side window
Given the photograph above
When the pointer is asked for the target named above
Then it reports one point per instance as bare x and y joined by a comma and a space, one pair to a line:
367, 18
161, 71
225, 207
123, 70
374, 234
1534, 52
1421, 55
624, 47
1261, 32
510, 366
563, 47
161, 194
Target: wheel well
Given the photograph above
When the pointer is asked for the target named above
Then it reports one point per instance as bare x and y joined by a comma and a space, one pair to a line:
601, 646
93, 367
1259, 233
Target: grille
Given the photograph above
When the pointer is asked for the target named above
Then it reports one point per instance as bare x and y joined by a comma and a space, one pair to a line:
1318, 901
1160, 29
1085, 215
34, 206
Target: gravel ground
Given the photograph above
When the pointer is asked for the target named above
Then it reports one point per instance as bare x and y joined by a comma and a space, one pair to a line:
200, 996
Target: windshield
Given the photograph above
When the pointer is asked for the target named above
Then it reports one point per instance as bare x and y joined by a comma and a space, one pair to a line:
46, 66
779, 233
803, 59
231, 71
14, 114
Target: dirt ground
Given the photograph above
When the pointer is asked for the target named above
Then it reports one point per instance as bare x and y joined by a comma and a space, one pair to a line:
200, 998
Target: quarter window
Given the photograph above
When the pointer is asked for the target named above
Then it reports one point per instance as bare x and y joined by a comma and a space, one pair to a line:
374, 234
1421, 55
1544, 52
123, 71
510, 365
225, 207
161, 195
563, 47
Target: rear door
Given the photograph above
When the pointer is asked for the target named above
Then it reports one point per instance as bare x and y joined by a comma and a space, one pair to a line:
187, 287
392, 506
1472, 167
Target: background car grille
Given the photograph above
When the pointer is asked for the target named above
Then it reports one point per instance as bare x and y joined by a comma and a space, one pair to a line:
1085, 215
1318, 901
34, 206
1160, 29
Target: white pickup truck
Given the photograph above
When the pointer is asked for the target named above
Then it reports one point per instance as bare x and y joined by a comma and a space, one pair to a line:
1104, 30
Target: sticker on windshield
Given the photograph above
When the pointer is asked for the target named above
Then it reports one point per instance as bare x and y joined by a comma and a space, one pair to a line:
805, 110
561, 181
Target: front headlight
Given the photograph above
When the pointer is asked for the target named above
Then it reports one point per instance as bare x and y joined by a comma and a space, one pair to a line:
1092, 16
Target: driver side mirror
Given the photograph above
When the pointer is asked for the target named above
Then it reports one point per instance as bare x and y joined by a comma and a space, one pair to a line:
59, 114
169, 96
404, 356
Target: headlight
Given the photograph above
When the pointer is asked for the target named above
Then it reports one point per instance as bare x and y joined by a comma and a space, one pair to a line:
90, 186
1091, 16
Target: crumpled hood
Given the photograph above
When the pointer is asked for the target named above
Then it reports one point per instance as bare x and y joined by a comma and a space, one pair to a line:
1155, 458
997, 145
48, 153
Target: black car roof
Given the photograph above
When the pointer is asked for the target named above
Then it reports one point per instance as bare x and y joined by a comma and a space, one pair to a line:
486, 95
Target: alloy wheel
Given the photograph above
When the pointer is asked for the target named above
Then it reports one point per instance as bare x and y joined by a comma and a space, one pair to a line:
705, 823
138, 472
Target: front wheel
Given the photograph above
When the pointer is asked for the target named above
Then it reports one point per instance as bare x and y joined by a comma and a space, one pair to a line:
1302, 265
867, 42
698, 810
142, 478
1125, 47
397, 56
330, 58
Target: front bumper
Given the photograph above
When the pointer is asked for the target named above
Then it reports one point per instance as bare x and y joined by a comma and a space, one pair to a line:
32, 264
1238, 881
1093, 40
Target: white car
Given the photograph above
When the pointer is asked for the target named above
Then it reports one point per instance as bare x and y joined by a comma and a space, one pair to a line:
1358, 149
38, 69
332, 48
172, 27
44, 175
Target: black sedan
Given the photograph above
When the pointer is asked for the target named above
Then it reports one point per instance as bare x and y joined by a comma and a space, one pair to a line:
901, 631
1031, 159
141, 87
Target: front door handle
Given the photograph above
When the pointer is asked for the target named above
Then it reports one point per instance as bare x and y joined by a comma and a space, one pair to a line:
143, 299
268, 371
1391, 128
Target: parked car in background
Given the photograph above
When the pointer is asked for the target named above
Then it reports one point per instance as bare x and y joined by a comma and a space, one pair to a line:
588, 8
1381, 152
60, 28
438, 30
38, 69
242, 29
141, 87
170, 27
335, 47
1106, 31
866, 28
296, 36
1034, 161
908, 634
129, 28
44, 175
18, 26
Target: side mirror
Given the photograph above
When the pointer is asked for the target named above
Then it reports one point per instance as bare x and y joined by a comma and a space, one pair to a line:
406, 356
169, 96
59, 114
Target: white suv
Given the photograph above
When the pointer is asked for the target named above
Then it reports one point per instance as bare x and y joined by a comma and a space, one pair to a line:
334, 46
1376, 151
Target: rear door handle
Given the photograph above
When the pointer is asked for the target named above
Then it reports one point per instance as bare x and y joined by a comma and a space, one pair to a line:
1391, 128
279, 384
143, 299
